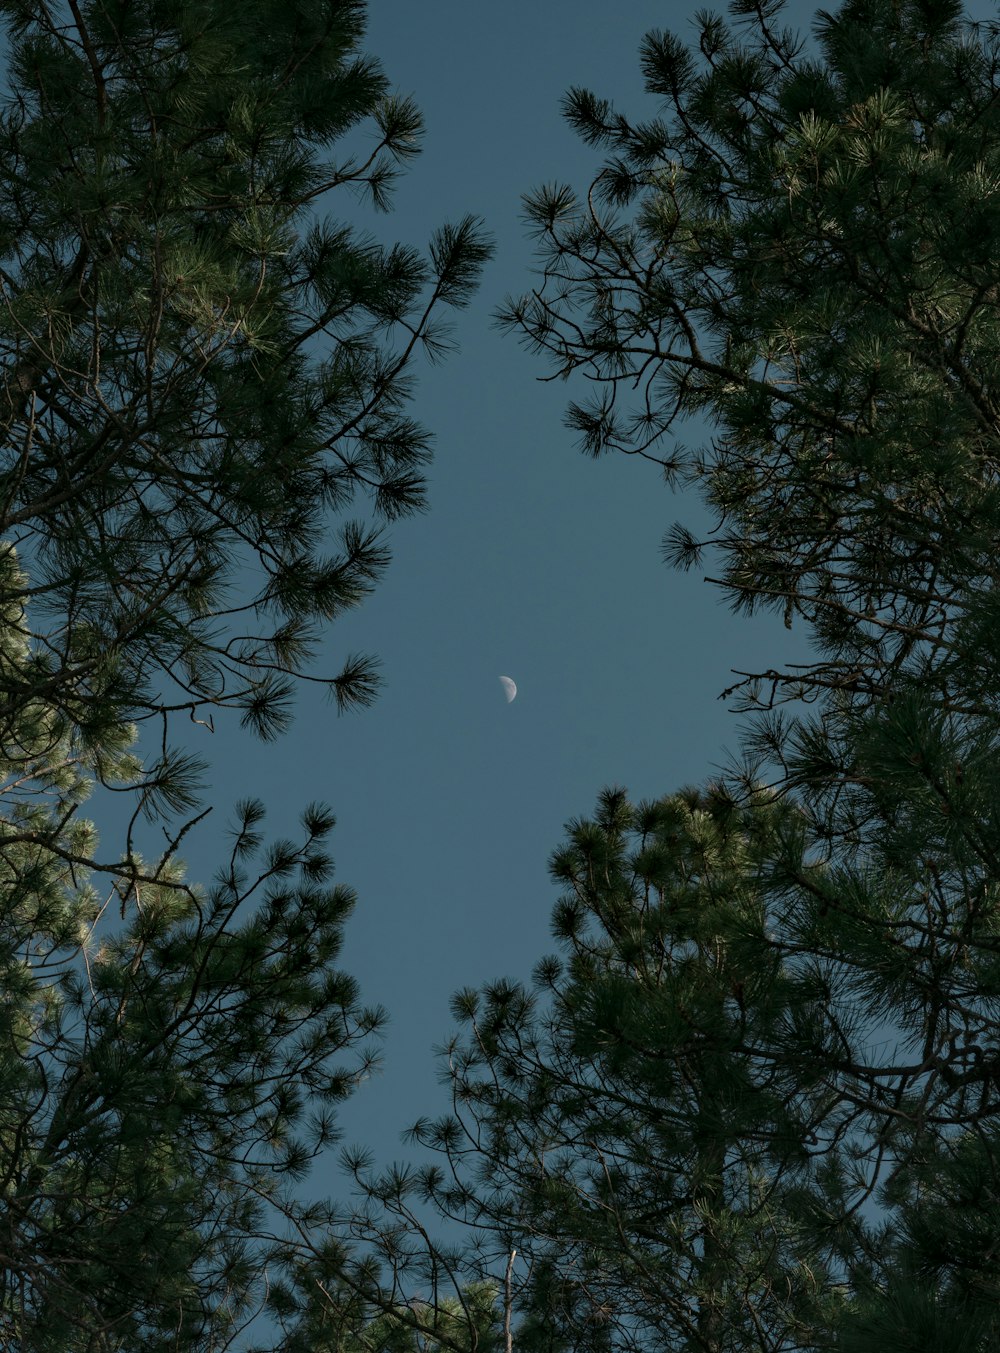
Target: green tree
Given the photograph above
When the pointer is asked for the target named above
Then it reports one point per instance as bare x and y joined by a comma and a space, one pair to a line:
651, 1128
199, 381
801, 248
200, 378
170, 1058
754, 1106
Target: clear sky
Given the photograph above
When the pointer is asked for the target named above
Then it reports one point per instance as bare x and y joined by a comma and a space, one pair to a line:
533, 561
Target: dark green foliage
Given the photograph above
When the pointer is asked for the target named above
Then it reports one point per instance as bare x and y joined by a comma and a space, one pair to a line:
321, 1313
808, 260
200, 379
656, 1127
754, 1105
165, 1079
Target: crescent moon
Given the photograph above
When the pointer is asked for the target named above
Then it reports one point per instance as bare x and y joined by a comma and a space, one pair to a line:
509, 689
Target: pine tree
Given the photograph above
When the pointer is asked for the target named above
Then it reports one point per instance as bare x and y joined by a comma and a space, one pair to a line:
200, 379
652, 1128
801, 248
170, 1056
754, 1105
201, 374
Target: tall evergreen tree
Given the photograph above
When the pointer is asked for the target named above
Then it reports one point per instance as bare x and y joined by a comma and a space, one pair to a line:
802, 248
199, 382
754, 1105
643, 1127
200, 378
170, 1058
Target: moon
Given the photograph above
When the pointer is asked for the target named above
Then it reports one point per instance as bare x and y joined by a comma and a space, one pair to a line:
509, 689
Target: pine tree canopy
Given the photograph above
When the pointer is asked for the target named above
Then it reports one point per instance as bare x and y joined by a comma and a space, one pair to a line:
170, 1061
754, 1104
199, 382
801, 248
203, 433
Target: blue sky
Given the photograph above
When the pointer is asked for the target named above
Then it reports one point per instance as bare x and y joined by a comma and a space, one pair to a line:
532, 561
